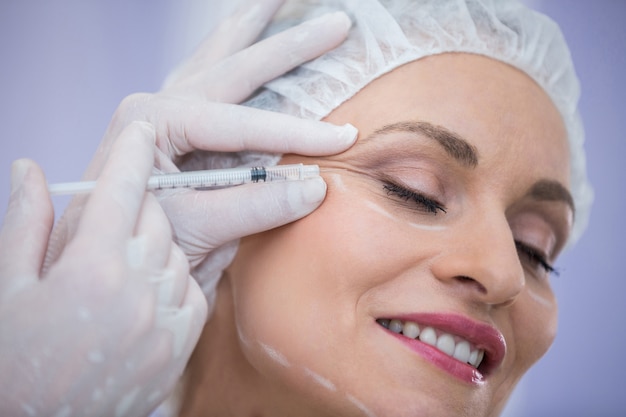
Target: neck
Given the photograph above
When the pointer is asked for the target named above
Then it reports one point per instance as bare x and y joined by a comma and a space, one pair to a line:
219, 380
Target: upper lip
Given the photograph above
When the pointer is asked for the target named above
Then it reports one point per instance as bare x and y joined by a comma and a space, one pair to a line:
482, 335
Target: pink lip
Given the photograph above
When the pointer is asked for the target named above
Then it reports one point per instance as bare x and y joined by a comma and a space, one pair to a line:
479, 334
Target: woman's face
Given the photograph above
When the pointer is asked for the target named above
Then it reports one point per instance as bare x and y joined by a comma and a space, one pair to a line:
439, 228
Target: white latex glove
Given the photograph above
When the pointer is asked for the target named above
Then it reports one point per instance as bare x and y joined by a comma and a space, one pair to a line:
108, 329
196, 111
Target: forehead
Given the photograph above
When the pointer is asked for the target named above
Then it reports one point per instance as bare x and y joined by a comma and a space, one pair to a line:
497, 108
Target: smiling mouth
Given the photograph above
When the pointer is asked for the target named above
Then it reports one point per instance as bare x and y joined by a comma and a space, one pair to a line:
452, 345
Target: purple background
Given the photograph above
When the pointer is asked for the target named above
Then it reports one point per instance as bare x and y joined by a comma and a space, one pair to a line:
67, 64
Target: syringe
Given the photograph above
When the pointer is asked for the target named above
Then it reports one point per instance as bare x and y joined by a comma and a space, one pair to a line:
215, 178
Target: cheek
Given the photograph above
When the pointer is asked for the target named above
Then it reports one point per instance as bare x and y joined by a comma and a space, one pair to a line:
305, 272
309, 281
296, 292
535, 319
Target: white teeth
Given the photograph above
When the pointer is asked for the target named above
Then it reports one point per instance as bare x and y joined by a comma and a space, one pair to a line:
429, 336
476, 357
395, 326
445, 342
473, 358
411, 330
462, 351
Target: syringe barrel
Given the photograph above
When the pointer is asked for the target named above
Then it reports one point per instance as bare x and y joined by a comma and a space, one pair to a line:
235, 176
295, 172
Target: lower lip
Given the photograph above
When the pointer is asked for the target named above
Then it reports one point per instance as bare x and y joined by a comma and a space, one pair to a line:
462, 371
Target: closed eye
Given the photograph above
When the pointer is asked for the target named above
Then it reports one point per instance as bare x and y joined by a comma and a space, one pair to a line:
535, 258
422, 202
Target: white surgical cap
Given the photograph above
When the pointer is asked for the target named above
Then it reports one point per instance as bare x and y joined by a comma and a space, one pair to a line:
389, 33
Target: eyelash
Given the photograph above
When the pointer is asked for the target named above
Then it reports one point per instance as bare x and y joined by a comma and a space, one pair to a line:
535, 257
427, 204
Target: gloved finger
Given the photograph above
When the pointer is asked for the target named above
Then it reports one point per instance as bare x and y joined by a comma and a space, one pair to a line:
220, 216
232, 34
183, 325
151, 370
122, 379
235, 78
171, 283
153, 253
149, 249
26, 228
240, 30
113, 207
168, 351
195, 299
231, 128
208, 268
63, 231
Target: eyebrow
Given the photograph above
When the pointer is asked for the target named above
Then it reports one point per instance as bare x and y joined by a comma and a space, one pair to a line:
454, 145
549, 190
467, 155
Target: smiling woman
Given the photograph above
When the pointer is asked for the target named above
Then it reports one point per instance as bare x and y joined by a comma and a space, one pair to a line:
421, 285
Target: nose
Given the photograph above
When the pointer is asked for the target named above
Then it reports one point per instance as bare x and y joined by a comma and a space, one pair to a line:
481, 262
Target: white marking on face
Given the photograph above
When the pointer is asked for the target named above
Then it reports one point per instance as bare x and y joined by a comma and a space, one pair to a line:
366, 411
242, 337
320, 380
540, 299
378, 209
275, 355
427, 227
338, 182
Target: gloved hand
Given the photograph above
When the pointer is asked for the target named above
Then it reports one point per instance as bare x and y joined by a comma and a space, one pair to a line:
108, 329
196, 111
